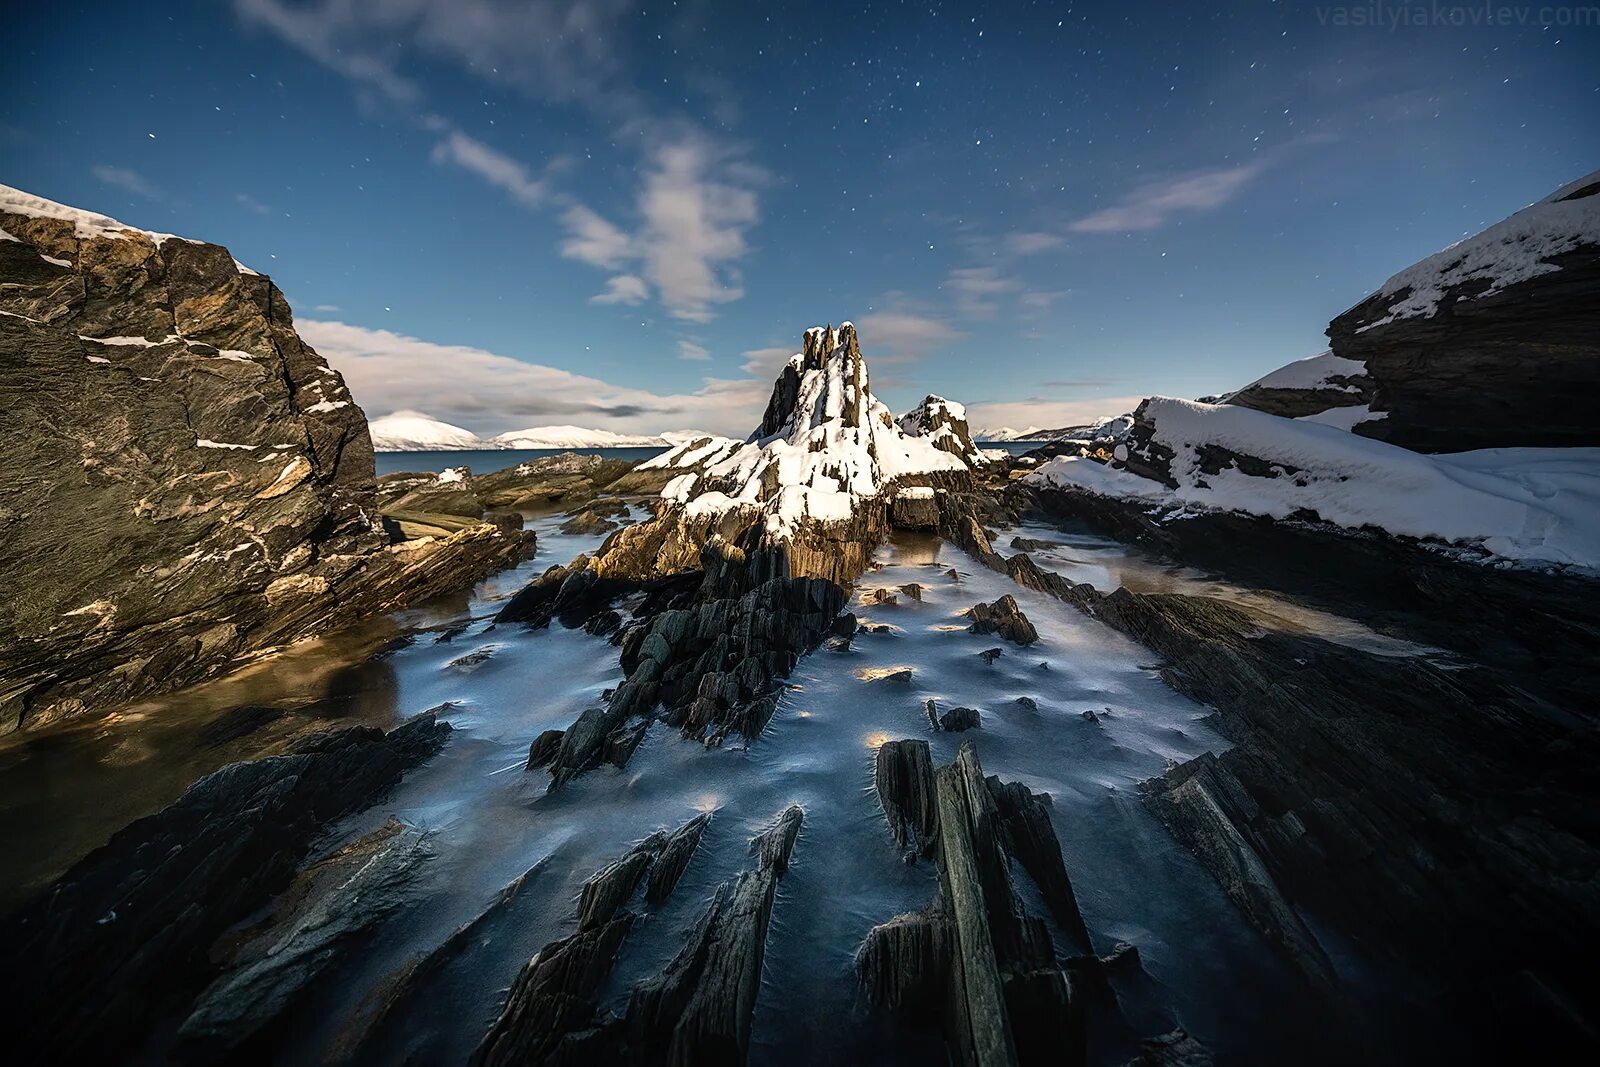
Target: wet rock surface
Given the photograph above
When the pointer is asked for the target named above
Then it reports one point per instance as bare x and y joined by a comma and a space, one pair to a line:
319, 919
550, 1015
130, 928
976, 962
698, 1010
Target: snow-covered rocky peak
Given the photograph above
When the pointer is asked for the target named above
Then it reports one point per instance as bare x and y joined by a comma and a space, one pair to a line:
824, 446
944, 424
412, 431
1517, 249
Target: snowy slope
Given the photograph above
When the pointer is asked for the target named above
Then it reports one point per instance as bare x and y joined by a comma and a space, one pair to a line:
1527, 504
1514, 250
1313, 372
572, 437
836, 446
412, 431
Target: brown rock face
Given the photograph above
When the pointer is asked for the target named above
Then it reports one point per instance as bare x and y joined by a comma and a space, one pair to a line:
182, 480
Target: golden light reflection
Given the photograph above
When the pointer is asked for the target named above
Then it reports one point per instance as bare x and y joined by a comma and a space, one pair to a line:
707, 802
876, 739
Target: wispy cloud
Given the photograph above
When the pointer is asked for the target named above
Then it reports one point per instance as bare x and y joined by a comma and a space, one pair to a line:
553, 49
494, 167
126, 179
696, 199
250, 203
1031, 242
1154, 203
331, 33
489, 392
1040, 299
765, 363
903, 335
694, 227
593, 240
628, 289
976, 290
695, 206
688, 349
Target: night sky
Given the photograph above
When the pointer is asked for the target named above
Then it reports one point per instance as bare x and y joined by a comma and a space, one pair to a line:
619, 215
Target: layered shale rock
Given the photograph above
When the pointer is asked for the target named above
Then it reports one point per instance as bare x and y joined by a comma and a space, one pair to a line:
183, 481
1004, 619
698, 1010
550, 1015
1399, 800
131, 927
327, 912
1181, 459
1489, 343
1325, 388
976, 960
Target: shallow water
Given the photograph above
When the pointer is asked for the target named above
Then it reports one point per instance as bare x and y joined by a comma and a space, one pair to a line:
493, 820
488, 460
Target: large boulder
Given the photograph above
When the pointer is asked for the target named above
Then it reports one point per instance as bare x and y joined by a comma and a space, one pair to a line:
183, 481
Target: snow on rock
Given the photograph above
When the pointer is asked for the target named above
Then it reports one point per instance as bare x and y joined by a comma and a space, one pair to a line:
1538, 505
1515, 250
1323, 371
85, 224
1325, 387
412, 431
943, 423
1493, 342
825, 445
1346, 418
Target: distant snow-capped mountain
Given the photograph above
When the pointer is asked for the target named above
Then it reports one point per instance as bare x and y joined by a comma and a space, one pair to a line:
412, 431
573, 437
1006, 433
1105, 427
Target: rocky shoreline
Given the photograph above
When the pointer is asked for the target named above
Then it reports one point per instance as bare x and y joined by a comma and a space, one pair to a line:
1407, 837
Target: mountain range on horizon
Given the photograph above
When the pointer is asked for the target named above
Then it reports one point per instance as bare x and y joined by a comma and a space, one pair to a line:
416, 431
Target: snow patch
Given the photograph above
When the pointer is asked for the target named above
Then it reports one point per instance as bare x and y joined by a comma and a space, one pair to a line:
1313, 372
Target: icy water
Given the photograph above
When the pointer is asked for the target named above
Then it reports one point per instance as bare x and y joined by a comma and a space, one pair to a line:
489, 460
492, 820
